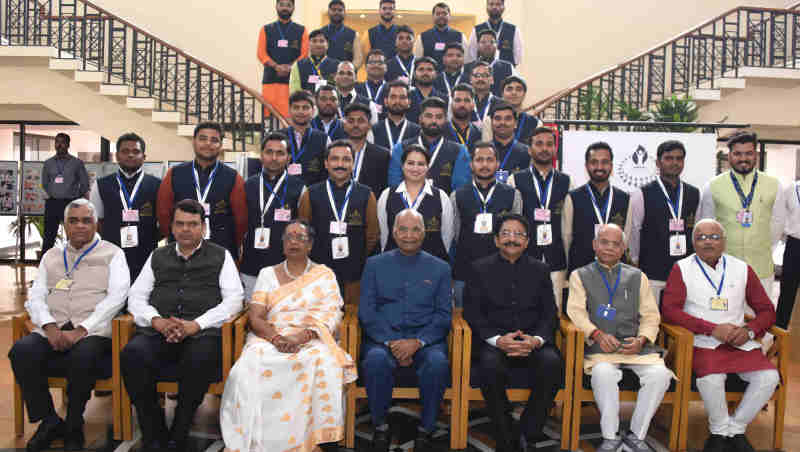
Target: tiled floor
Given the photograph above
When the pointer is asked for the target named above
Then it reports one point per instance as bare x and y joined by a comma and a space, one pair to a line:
13, 282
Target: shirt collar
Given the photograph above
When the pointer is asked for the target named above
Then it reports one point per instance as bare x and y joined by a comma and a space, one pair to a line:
87, 245
178, 250
130, 175
425, 189
606, 267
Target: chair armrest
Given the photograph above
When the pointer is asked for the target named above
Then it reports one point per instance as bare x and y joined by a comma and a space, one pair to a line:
227, 343
239, 333
353, 335
682, 353
20, 327
778, 332
780, 348
125, 327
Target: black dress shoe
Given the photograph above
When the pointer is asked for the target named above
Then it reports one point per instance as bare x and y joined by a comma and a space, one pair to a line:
74, 441
152, 446
381, 440
717, 443
740, 443
424, 442
175, 446
45, 434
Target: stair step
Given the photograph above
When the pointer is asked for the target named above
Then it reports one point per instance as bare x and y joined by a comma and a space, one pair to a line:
186, 130
28, 51
63, 64
705, 95
89, 76
170, 117
141, 103
725, 83
114, 90
766, 73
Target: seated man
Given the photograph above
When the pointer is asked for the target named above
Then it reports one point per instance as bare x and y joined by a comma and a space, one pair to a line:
707, 293
612, 304
77, 291
510, 306
183, 295
405, 311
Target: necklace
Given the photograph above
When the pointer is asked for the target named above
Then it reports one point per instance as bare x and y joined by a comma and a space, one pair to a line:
290, 275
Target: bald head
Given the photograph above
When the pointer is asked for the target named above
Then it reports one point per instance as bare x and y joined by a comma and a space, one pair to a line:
708, 238
609, 244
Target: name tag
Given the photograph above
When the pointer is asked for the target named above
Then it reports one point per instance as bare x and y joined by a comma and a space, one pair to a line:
483, 223
338, 228
719, 304
544, 234
295, 169
596, 229
283, 43
207, 208
262, 238
541, 215
676, 225
501, 175
340, 248
59, 180
129, 237
403, 79
283, 215
439, 46
64, 284
378, 108
677, 245
313, 79
130, 215
207, 235
607, 312
745, 218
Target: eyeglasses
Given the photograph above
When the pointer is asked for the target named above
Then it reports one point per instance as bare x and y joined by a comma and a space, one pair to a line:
481, 75
515, 234
375, 62
704, 237
213, 140
295, 237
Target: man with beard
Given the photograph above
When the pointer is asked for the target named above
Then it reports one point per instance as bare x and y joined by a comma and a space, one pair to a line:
487, 51
125, 203
345, 44
345, 85
513, 91
461, 129
401, 65
452, 71
382, 36
424, 75
543, 191
449, 162
343, 212
395, 128
508, 35
371, 163
218, 188
513, 154
327, 120
663, 214
482, 79
64, 179
750, 205
476, 206
374, 88
280, 44
508, 303
433, 42
592, 205
307, 146
317, 69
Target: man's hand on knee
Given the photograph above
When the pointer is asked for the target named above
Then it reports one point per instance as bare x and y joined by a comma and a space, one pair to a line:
73, 336
56, 337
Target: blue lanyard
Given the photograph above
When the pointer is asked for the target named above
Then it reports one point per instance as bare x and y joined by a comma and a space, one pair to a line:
61, 168
272, 190
280, 29
543, 190
675, 204
439, 34
292, 138
479, 197
203, 193
746, 201
407, 69
315, 66
128, 198
77, 261
594, 201
334, 127
721, 281
340, 209
464, 140
332, 39
508, 153
611, 291
520, 126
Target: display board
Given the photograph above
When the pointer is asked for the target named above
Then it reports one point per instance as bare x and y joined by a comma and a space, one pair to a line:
9, 193
33, 194
154, 169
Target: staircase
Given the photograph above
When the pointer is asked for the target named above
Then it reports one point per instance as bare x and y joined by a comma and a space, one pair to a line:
106, 74
712, 63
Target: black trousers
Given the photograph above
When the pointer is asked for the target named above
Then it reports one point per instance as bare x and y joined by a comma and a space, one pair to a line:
197, 362
33, 360
53, 217
545, 372
790, 278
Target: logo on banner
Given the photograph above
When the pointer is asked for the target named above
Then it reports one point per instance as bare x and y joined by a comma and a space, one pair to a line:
636, 170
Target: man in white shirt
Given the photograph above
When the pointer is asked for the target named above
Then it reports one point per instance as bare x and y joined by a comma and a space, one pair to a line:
790, 277
78, 290
183, 295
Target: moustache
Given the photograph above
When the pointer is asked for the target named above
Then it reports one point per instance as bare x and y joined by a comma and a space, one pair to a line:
512, 243
340, 168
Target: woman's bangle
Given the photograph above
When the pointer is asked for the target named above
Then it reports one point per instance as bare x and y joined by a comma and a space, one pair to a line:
272, 338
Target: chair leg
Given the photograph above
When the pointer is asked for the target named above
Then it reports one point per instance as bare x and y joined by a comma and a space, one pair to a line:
566, 423
780, 412
575, 429
350, 419
455, 424
19, 412
126, 415
463, 430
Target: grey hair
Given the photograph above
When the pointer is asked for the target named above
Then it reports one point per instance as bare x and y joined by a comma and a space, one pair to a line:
612, 226
710, 221
411, 212
80, 202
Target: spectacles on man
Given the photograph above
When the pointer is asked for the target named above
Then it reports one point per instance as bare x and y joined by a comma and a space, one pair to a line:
515, 234
704, 237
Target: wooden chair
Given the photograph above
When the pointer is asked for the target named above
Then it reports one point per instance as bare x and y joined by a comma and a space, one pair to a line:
677, 341
126, 331
735, 386
453, 393
565, 341
21, 326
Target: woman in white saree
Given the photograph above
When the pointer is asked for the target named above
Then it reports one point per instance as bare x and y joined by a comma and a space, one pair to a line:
285, 392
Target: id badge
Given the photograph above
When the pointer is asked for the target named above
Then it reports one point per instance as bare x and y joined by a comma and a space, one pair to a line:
59, 179
541, 215
338, 228
544, 234
129, 236
283, 43
283, 215
439, 46
719, 304
597, 229
607, 312
677, 245
295, 169
207, 208
340, 248
483, 223
745, 218
207, 234
676, 225
262, 238
64, 284
403, 79
313, 79
130, 215
501, 175
378, 108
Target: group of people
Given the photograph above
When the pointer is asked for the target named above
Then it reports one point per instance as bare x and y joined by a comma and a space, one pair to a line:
402, 202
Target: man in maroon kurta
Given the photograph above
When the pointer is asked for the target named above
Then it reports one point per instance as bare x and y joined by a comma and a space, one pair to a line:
707, 293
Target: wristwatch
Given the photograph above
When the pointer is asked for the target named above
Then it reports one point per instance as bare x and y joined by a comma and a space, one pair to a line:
750, 333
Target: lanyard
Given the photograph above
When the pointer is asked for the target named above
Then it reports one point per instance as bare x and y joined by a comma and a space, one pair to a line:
508, 153
353, 95
464, 140
544, 201
447, 81
265, 207
292, 138
127, 200
389, 133
606, 211
417, 201
746, 201
317, 65
499, 29
721, 281
78, 260
611, 291
339, 213
676, 207
435, 153
439, 34
61, 168
332, 39
377, 94
484, 201
520, 126
406, 70
203, 194
359, 162
280, 29
482, 114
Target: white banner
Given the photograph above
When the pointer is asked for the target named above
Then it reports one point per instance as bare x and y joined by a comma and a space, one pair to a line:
635, 156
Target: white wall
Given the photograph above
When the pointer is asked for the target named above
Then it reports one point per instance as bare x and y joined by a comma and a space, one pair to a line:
782, 162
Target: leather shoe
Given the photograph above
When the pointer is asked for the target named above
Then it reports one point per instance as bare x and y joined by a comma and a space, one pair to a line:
381, 440
424, 442
740, 443
45, 434
74, 441
717, 443
152, 446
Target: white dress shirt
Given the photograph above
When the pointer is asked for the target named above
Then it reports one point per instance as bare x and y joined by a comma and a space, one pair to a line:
792, 197
447, 213
472, 48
